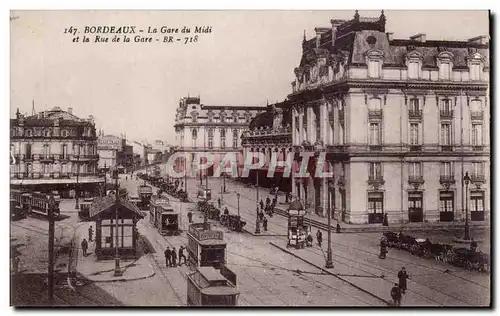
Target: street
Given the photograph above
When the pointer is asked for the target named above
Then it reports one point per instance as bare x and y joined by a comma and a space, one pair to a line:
266, 275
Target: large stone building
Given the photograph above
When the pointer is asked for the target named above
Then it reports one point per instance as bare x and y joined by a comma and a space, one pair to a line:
270, 132
401, 121
54, 151
216, 129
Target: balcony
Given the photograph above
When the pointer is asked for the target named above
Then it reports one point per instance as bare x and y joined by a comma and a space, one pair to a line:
477, 147
375, 147
375, 180
47, 158
341, 181
415, 147
415, 114
415, 179
446, 148
447, 179
477, 178
446, 114
83, 157
375, 114
476, 115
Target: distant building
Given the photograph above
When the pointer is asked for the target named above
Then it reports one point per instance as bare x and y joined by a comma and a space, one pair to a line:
53, 148
110, 149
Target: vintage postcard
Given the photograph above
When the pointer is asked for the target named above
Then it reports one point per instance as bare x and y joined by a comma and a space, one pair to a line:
250, 158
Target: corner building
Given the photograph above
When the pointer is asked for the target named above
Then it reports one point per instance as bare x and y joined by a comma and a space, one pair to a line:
401, 122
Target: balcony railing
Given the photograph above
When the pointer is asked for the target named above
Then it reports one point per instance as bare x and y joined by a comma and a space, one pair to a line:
477, 178
415, 147
375, 114
477, 115
446, 179
375, 147
446, 113
415, 114
375, 180
415, 179
446, 148
477, 147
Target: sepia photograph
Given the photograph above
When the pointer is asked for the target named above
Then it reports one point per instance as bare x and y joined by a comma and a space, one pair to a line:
271, 158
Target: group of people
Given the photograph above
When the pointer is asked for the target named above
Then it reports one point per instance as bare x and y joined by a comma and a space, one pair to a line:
171, 257
269, 206
399, 288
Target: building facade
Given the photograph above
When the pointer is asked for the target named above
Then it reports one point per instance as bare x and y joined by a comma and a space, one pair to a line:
215, 129
111, 151
54, 151
401, 121
270, 132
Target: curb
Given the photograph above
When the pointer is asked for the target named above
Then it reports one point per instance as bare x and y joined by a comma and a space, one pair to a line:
330, 273
122, 279
262, 235
463, 241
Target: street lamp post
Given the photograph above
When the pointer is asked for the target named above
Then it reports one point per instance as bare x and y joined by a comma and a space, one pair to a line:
466, 181
77, 179
224, 180
238, 196
329, 261
257, 224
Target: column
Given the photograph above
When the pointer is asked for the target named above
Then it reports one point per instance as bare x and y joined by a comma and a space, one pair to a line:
301, 127
324, 122
311, 132
294, 127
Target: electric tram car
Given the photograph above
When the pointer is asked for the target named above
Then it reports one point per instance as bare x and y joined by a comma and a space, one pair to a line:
145, 192
35, 203
207, 286
206, 247
84, 211
163, 216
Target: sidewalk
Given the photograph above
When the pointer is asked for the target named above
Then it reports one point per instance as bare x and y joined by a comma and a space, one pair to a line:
103, 271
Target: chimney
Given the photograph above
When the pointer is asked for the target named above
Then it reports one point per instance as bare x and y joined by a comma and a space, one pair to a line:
420, 37
478, 40
335, 25
70, 110
319, 31
390, 36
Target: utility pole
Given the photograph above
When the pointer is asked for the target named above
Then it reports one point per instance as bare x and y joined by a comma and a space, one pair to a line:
52, 203
118, 271
77, 176
257, 223
329, 261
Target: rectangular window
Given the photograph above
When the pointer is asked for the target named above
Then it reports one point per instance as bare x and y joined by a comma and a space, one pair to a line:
446, 169
478, 169
374, 68
413, 70
415, 169
414, 133
375, 171
64, 151
210, 142
446, 134
446, 106
477, 201
475, 72
375, 202
235, 138
477, 134
223, 142
446, 201
414, 105
375, 134
444, 71
46, 151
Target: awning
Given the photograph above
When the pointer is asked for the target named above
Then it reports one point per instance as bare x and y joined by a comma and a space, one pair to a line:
81, 180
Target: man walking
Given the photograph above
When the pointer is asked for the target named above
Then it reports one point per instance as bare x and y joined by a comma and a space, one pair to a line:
264, 224
91, 233
181, 255
190, 217
167, 257
174, 257
396, 295
402, 276
85, 246
319, 237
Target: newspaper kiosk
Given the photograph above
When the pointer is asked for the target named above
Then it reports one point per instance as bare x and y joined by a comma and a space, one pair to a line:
296, 225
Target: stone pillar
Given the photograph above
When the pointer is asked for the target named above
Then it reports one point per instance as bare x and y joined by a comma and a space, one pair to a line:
294, 128
301, 128
323, 121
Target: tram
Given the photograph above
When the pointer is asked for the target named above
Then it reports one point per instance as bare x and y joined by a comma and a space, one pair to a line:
35, 202
207, 286
204, 194
16, 212
163, 216
134, 199
206, 247
145, 192
84, 211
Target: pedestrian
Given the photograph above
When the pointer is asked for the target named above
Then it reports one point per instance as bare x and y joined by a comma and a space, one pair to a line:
219, 203
268, 201
264, 224
402, 276
383, 249
174, 257
181, 255
85, 246
385, 221
190, 217
16, 262
126, 178
261, 215
396, 295
167, 257
261, 204
473, 245
338, 227
319, 237
91, 233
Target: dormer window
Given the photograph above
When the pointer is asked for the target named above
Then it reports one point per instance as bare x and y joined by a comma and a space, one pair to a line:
445, 65
64, 133
475, 63
374, 60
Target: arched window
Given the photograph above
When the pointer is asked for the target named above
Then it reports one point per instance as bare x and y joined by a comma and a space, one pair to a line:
194, 133
29, 133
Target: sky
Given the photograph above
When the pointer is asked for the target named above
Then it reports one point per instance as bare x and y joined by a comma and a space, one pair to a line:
134, 88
